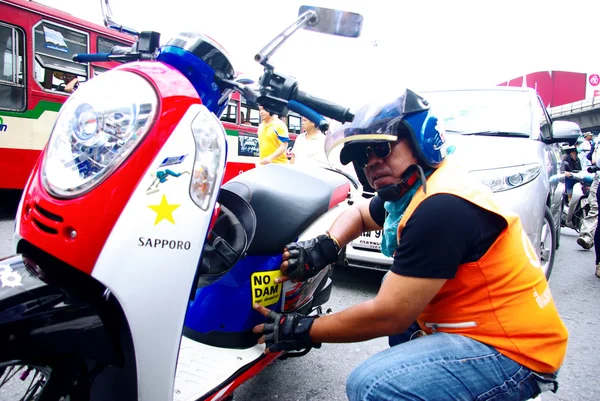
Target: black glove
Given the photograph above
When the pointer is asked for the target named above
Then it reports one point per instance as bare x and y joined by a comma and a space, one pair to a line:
307, 258
288, 332
592, 169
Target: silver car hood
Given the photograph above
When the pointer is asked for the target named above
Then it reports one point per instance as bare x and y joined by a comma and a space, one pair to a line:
477, 152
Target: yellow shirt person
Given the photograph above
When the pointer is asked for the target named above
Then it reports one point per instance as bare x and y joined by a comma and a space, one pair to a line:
273, 137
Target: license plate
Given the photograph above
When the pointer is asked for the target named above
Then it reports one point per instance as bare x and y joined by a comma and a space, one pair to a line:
368, 240
264, 289
584, 202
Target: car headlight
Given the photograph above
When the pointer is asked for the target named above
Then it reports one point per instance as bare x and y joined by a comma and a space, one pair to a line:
211, 152
503, 179
97, 128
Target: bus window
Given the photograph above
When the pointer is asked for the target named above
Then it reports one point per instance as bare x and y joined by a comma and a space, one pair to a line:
12, 84
294, 124
230, 113
104, 45
54, 48
250, 113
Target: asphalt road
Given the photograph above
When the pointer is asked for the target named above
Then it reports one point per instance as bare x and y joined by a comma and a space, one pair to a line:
321, 375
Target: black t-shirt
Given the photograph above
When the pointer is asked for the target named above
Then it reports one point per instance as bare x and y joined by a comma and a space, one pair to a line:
573, 165
443, 232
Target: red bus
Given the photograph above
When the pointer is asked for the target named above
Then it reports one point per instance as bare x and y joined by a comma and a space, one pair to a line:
37, 44
241, 124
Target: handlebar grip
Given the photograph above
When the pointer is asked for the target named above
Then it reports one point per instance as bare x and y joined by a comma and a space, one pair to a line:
90, 57
324, 107
307, 112
120, 50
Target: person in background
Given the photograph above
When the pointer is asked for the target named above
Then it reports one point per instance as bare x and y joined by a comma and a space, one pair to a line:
590, 222
309, 146
71, 83
572, 165
273, 137
583, 148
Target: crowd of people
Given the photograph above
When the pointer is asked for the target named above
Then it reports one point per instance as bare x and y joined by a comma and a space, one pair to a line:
584, 156
273, 138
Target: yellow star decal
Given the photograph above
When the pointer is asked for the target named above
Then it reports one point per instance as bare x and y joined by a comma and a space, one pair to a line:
163, 211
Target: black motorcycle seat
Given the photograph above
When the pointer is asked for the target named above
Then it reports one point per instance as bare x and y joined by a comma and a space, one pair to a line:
286, 201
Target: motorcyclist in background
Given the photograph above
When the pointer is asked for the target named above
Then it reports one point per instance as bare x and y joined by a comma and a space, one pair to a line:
589, 223
572, 165
463, 268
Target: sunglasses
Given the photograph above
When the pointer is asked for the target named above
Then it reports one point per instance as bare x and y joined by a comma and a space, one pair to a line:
381, 150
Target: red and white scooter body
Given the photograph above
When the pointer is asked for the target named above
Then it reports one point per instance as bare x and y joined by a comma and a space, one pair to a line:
138, 235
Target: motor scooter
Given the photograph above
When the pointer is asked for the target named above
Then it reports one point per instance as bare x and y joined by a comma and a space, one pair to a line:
577, 208
135, 269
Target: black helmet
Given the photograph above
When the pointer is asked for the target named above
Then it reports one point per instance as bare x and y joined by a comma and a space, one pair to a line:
408, 115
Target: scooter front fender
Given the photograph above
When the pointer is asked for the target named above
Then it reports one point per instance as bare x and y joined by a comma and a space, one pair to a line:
41, 319
577, 194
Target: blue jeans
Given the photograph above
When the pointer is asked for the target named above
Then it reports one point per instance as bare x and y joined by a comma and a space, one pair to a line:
444, 366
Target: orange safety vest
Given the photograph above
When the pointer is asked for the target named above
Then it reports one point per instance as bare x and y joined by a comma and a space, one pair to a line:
503, 299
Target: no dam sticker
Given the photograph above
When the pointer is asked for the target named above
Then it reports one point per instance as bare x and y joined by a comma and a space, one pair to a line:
264, 289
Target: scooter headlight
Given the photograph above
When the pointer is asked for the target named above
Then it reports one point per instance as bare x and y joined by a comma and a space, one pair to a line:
97, 128
211, 151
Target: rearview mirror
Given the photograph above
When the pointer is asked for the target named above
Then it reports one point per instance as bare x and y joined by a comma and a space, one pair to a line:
333, 22
565, 131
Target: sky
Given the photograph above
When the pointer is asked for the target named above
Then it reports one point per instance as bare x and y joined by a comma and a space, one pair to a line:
422, 45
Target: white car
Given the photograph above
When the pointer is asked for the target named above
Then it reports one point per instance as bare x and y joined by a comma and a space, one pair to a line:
505, 138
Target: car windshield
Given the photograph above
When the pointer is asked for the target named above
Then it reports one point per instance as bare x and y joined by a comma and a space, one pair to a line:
481, 112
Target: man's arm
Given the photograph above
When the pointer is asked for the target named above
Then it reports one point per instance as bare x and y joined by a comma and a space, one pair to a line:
281, 149
348, 226
352, 223
70, 88
397, 305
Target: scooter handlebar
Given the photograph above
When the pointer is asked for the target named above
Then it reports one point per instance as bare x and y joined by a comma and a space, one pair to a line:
309, 113
323, 106
90, 57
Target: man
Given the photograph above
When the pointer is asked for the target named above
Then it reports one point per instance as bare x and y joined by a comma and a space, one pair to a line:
463, 269
273, 137
584, 148
309, 147
572, 165
589, 223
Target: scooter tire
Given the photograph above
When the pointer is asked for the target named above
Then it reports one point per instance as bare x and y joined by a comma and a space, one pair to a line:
548, 220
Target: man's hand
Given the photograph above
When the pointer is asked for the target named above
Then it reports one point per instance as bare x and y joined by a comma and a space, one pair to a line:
305, 259
265, 161
285, 332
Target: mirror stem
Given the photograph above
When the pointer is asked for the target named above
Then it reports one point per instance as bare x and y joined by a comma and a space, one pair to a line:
263, 56
110, 23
